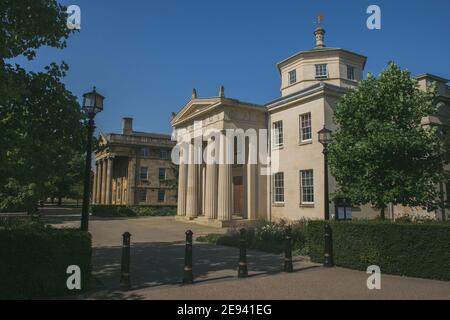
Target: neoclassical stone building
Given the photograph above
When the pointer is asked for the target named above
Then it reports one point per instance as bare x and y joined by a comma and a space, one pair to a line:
311, 84
134, 168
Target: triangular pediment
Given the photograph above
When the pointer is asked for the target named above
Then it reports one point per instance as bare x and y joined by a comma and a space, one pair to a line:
195, 107
102, 139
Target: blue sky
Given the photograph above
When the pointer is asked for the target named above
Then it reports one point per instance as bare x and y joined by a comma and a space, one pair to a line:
145, 56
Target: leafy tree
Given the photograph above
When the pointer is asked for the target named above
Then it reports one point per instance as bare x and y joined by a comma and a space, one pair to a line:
40, 120
381, 153
26, 25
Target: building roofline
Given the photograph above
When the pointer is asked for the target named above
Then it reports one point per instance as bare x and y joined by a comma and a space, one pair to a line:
432, 76
304, 93
298, 54
141, 134
214, 102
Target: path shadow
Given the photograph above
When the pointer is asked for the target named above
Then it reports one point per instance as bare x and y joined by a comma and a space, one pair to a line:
159, 264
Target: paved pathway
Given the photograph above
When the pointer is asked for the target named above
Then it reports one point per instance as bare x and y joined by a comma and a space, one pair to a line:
309, 283
157, 257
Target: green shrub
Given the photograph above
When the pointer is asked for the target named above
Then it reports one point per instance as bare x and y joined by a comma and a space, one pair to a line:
20, 222
34, 261
407, 249
264, 236
113, 211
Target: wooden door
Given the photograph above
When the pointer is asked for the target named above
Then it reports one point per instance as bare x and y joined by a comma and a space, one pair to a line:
238, 192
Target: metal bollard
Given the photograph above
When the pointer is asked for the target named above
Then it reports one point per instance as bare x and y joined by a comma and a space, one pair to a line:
288, 251
125, 282
243, 271
188, 277
328, 262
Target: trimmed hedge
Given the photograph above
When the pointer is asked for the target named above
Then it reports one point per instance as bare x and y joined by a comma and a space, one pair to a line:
113, 211
34, 261
267, 237
407, 249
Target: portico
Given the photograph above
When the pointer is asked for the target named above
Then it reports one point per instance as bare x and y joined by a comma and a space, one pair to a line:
219, 182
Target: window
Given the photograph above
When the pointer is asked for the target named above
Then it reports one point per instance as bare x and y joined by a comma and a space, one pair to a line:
350, 72
143, 173
162, 174
321, 71
142, 195
163, 154
292, 77
161, 195
307, 187
145, 152
279, 187
278, 134
305, 127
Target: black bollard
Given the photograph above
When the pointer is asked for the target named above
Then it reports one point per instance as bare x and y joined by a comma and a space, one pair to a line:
288, 251
188, 276
329, 263
125, 282
243, 270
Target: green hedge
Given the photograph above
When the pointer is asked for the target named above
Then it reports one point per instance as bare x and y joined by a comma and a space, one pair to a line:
112, 211
407, 249
34, 261
268, 237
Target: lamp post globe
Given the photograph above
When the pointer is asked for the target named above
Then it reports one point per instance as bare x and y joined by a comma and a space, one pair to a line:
92, 105
325, 138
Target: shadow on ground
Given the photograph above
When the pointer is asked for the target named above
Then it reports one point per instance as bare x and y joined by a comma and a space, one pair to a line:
159, 264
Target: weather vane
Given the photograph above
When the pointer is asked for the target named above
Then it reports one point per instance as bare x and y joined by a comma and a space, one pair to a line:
320, 19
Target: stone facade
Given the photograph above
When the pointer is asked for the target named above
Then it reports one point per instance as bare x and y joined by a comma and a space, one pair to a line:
134, 169
311, 84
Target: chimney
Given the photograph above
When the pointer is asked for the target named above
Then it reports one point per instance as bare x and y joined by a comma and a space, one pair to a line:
127, 126
320, 37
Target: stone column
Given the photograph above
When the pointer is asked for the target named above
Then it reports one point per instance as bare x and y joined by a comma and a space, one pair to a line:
104, 173
203, 169
98, 194
109, 174
131, 183
211, 191
192, 185
211, 181
182, 181
200, 189
225, 182
94, 186
251, 182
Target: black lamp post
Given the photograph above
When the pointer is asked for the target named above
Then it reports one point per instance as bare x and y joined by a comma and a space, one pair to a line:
325, 138
92, 104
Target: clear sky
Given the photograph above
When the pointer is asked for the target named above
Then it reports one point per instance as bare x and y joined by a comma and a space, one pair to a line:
145, 56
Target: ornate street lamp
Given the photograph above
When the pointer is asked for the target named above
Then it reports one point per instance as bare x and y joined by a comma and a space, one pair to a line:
92, 104
325, 138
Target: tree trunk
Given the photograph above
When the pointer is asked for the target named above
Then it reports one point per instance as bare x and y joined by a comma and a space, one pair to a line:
382, 213
59, 201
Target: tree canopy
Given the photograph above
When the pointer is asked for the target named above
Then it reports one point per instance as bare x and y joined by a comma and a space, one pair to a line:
381, 152
40, 119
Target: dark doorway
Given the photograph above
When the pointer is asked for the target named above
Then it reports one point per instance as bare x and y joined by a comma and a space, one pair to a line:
238, 192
